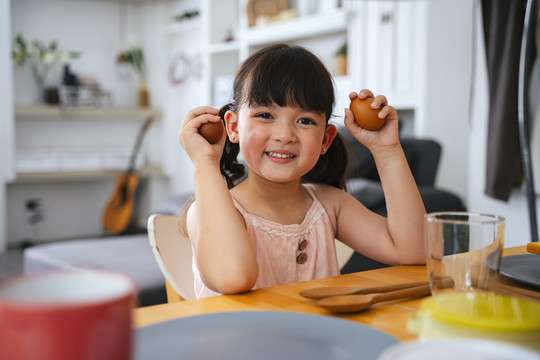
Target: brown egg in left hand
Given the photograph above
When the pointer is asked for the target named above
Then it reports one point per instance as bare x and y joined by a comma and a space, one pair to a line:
211, 131
365, 115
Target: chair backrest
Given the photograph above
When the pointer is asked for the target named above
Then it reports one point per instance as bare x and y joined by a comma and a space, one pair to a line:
173, 254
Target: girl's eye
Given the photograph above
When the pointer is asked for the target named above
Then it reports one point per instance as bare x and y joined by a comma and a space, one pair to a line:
264, 115
305, 121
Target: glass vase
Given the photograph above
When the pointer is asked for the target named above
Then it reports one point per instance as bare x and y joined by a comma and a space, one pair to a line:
144, 96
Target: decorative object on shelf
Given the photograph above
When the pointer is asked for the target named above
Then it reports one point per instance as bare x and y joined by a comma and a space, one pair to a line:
186, 15
82, 91
230, 35
34, 208
70, 87
52, 95
135, 58
341, 60
262, 12
179, 69
182, 67
37, 59
144, 96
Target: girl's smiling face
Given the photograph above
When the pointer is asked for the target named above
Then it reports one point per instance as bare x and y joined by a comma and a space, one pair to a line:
280, 144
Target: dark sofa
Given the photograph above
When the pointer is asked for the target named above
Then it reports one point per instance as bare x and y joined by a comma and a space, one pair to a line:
423, 156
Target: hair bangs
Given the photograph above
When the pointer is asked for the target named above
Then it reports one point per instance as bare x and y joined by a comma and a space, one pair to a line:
291, 78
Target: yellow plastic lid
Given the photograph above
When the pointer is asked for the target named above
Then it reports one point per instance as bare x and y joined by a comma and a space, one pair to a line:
484, 311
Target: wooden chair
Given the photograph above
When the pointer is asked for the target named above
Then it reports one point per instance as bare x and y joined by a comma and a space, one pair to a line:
173, 253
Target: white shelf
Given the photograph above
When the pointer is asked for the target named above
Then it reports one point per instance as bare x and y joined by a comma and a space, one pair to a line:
56, 112
188, 26
299, 28
224, 47
58, 176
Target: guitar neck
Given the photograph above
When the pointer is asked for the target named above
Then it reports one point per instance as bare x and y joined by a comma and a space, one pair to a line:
137, 146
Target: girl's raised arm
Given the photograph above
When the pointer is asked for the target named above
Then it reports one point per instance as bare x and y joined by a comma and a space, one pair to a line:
222, 247
398, 238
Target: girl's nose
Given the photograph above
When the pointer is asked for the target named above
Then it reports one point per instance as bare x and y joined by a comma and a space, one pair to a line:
284, 132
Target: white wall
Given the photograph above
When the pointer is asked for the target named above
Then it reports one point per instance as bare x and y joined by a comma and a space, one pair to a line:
515, 210
92, 28
178, 99
448, 79
6, 115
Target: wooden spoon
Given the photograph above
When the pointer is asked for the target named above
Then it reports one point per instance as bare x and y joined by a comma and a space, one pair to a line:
327, 291
355, 303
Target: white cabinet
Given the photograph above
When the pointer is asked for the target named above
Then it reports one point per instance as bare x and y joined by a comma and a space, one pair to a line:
382, 38
228, 39
386, 50
383, 48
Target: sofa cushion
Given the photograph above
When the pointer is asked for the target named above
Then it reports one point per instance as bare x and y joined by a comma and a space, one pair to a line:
128, 254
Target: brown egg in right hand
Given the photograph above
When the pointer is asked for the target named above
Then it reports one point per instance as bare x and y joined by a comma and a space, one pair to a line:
211, 131
364, 115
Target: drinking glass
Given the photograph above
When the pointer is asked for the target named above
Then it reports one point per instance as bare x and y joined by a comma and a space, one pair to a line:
464, 247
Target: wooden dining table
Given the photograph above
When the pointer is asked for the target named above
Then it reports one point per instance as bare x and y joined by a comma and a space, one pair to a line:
390, 317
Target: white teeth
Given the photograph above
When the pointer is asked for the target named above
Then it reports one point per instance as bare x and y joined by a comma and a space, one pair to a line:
282, 156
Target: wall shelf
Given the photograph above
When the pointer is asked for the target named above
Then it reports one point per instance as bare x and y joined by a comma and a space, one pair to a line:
298, 28
61, 176
57, 112
184, 27
224, 47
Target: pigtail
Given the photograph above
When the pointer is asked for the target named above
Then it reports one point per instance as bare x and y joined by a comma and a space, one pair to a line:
230, 167
331, 169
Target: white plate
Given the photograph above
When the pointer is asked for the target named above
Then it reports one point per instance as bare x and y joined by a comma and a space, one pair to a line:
524, 268
463, 349
259, 335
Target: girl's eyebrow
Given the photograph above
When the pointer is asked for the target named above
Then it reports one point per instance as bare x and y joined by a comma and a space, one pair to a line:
313, 113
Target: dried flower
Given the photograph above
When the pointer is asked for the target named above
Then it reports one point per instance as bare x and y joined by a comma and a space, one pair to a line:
37, 58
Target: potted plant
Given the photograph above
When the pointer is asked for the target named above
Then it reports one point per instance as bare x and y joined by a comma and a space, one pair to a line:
135, 58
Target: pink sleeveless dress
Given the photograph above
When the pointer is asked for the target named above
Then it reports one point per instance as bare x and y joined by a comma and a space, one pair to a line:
288, 253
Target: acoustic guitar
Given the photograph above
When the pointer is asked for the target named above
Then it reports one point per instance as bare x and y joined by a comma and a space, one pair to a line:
117, 215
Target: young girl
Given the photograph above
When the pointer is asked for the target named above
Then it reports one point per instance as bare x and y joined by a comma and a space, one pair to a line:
279, 224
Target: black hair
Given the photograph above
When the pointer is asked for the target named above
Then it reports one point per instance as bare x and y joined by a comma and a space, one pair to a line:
287, 76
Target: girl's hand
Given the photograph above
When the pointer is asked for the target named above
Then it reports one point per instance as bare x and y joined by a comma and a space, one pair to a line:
196, 146
387, 135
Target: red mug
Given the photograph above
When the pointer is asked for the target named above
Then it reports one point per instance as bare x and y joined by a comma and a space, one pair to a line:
67, 314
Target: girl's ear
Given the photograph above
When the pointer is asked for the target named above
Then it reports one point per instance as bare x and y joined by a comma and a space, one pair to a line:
329, 135
231, 125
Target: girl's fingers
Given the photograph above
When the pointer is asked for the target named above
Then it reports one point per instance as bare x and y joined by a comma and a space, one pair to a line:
201, 110
202, 114
365, 93
385, 111
349, 117
380, 100
390, 112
